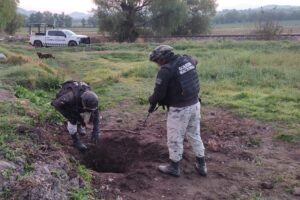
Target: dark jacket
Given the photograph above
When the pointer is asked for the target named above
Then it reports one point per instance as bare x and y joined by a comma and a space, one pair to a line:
69, 104
177, 83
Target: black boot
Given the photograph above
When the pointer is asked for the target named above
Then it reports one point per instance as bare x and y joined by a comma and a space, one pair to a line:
171, 169
77, 143
201, 166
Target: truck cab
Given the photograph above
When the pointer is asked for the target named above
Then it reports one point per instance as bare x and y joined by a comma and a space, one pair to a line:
56, 37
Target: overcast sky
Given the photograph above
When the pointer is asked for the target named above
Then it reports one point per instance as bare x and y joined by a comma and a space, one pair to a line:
69, 6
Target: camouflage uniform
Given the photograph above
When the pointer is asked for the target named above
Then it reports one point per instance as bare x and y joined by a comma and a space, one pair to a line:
77, 103
177, 87
183, 121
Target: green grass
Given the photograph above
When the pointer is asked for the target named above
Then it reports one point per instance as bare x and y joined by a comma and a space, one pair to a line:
289, 26
84, 173
40, 100
253, 78
256, 79
81, 194
12, 114
260, 80
262, 85
26, 70
289, 137
34, 83
85, 192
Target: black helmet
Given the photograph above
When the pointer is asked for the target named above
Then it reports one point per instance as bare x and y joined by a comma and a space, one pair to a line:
89, 100
161, 53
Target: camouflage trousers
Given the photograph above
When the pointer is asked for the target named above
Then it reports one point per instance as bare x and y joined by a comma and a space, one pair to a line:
73, 128
184, 122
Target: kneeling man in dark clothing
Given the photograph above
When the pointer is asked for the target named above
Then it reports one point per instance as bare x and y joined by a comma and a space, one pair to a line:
79, 105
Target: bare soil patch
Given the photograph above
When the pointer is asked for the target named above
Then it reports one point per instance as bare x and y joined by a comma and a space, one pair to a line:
6, 95
244, 160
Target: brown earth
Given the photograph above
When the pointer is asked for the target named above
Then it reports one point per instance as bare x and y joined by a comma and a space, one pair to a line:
243, 158
6, 95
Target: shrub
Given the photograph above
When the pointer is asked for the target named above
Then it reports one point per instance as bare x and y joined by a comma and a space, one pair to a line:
48, 83
17, 59
267, 28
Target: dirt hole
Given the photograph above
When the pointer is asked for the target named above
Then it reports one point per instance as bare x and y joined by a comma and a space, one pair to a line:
117, 155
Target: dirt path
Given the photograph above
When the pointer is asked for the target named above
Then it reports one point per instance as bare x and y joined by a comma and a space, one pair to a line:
244, 161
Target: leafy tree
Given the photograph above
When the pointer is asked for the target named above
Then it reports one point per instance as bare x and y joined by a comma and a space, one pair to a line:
61, 20
68, 21
122, 18
200, 13
126, 19
92, 21
167, 16
83, 22
7, 12
56, 19
14, 24
36, 17
267, 28
48, 18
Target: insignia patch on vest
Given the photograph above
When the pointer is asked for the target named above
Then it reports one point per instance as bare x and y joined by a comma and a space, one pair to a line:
186, 68
158, 81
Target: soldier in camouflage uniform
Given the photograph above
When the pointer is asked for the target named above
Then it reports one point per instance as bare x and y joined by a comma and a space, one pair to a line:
79, 105
177, 87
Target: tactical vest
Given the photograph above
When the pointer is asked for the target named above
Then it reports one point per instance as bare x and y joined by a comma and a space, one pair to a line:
185, 73
76, 87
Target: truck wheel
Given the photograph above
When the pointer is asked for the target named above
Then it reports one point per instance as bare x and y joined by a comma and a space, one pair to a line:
72, 44
37, 44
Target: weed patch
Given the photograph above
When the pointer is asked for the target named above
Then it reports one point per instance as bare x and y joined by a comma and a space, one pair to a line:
146, 71
288, 137
17, 60
124, 56
41, 100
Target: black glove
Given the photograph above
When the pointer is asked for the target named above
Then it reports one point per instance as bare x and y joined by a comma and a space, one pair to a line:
151, 108
95, 137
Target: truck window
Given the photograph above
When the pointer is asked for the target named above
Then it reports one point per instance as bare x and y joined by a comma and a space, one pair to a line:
52, 33
60, 33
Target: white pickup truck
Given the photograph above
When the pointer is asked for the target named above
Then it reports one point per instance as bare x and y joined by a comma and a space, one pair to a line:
57, 37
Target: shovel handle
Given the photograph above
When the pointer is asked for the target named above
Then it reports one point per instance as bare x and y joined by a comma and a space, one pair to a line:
144, 124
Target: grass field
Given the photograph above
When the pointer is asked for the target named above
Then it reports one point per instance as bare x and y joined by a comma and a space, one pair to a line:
292, 26
251, 79
255, 79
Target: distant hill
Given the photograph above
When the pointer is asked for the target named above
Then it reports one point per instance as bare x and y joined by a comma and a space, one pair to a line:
74, 15
24, 12
270, 7
79, 15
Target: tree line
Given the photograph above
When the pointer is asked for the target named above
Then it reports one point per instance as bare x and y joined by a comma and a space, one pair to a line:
11, 21
254, 15
60, 20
